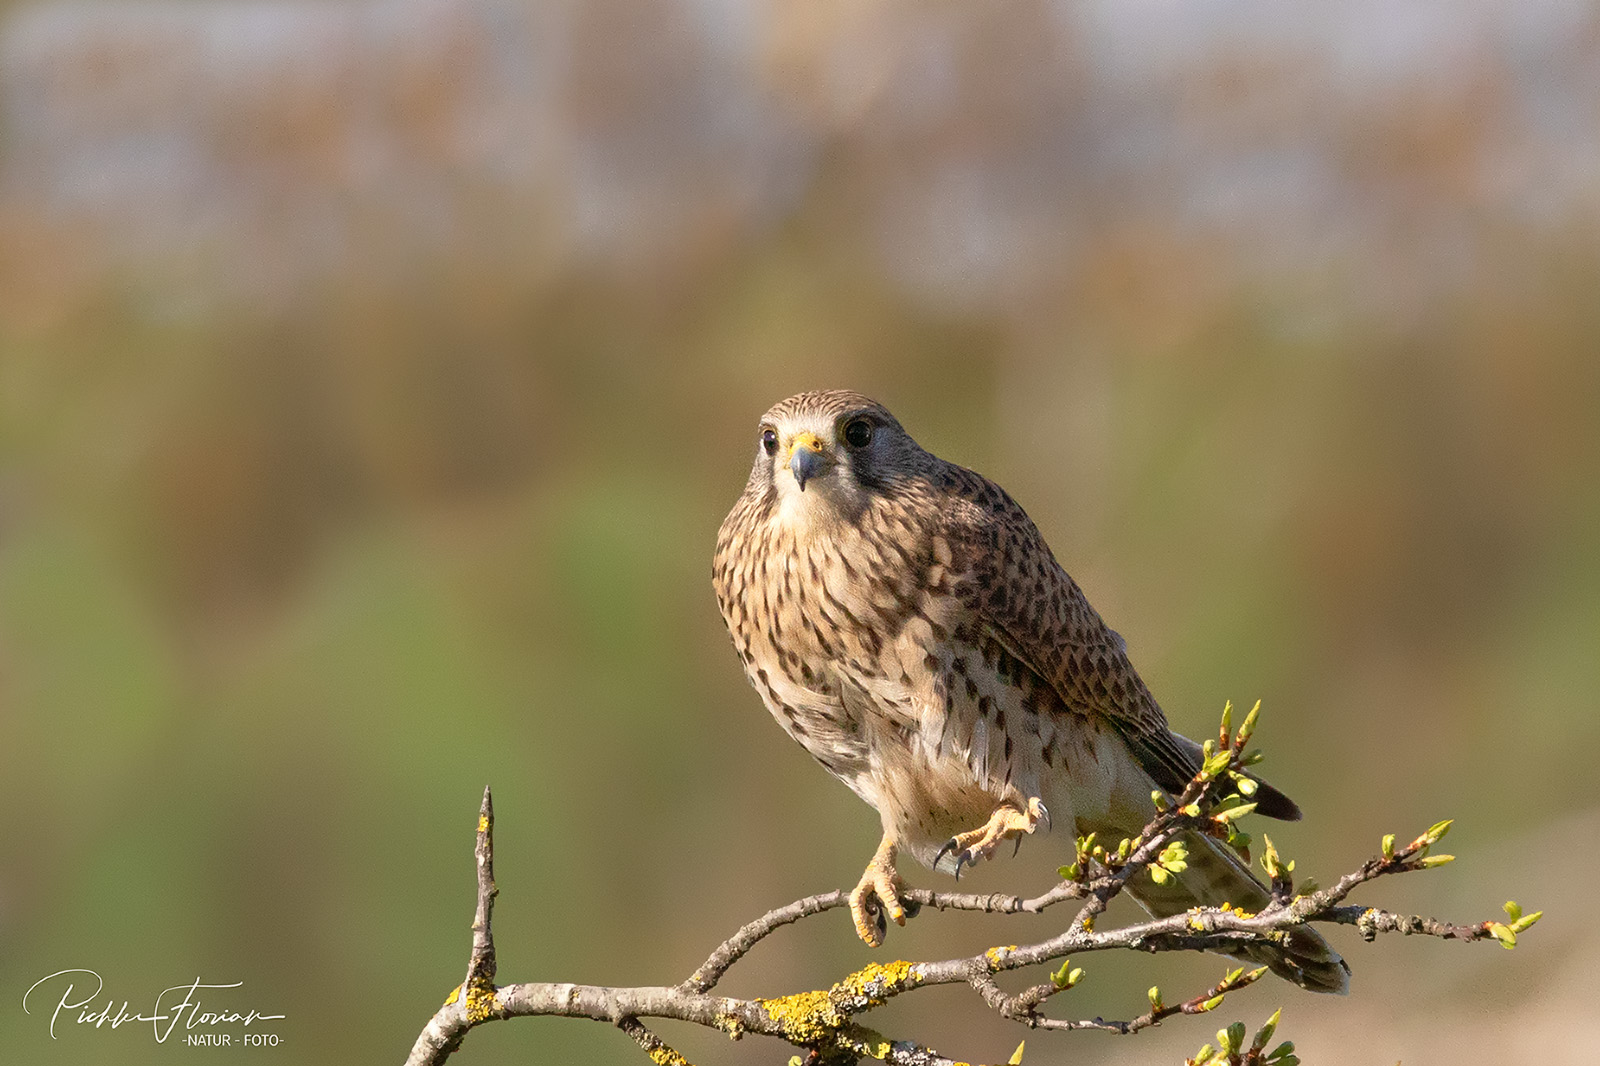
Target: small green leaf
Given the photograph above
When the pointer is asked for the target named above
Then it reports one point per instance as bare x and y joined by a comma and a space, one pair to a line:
1234, 813
1437, 831
1069, 873
1203, 1054
1159, 875
1075, 976
1062, 978
1283, 1049
1211, 1004
1507, 938
1526, 920
1513, 909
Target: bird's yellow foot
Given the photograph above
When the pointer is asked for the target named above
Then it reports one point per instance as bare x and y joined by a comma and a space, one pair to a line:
877, 896
1006, 822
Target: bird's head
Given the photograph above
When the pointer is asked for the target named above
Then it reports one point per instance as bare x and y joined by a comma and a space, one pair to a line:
831, 454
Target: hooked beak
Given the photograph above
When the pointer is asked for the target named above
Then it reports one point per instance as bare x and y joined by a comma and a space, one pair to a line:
805, 458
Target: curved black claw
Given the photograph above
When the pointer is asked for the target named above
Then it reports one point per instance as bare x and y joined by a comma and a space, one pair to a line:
1045, 811
949, 846
1016, 847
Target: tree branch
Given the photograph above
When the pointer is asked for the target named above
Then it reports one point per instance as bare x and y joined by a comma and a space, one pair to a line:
825, 1023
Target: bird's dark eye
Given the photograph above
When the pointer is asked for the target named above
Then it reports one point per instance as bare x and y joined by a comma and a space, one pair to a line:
858, 433
769, 441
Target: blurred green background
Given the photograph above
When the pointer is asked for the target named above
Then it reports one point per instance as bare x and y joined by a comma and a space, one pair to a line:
374, 377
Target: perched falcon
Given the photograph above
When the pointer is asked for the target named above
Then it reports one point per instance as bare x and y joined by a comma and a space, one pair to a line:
904, 620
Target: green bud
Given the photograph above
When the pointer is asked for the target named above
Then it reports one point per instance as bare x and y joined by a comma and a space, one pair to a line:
1264, 1034
1252, 758
1211, 1004
1249, 725
1227, 719
1436, 860
1075, 976
1233, 975
1016, 1056
1437, 831
1159, 875
1388, 846
1208, 749
1160, 800
1247, 786
1513, 909
1203, 1054
1269, 859
1068, 873
1507, 938
1155, 996
1062, 977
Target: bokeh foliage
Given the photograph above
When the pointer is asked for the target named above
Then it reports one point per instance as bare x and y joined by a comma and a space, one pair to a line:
332, 489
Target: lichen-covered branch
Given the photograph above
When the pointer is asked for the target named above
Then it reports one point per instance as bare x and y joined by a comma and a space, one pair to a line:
827, 1024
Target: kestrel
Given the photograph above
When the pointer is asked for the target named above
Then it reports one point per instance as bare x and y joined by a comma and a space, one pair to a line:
905, 621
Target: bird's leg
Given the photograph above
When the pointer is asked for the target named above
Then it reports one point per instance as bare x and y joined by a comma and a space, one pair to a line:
878, 894
1007, 821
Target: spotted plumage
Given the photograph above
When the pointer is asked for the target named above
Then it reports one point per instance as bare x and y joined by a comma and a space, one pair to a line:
905, 621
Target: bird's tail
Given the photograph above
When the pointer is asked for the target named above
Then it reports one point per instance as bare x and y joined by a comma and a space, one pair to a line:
1215, 875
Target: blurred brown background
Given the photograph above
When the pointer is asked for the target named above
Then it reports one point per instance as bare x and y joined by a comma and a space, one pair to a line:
374, 377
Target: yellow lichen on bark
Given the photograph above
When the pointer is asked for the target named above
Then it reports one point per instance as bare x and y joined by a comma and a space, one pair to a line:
810, 1018
481, 1004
